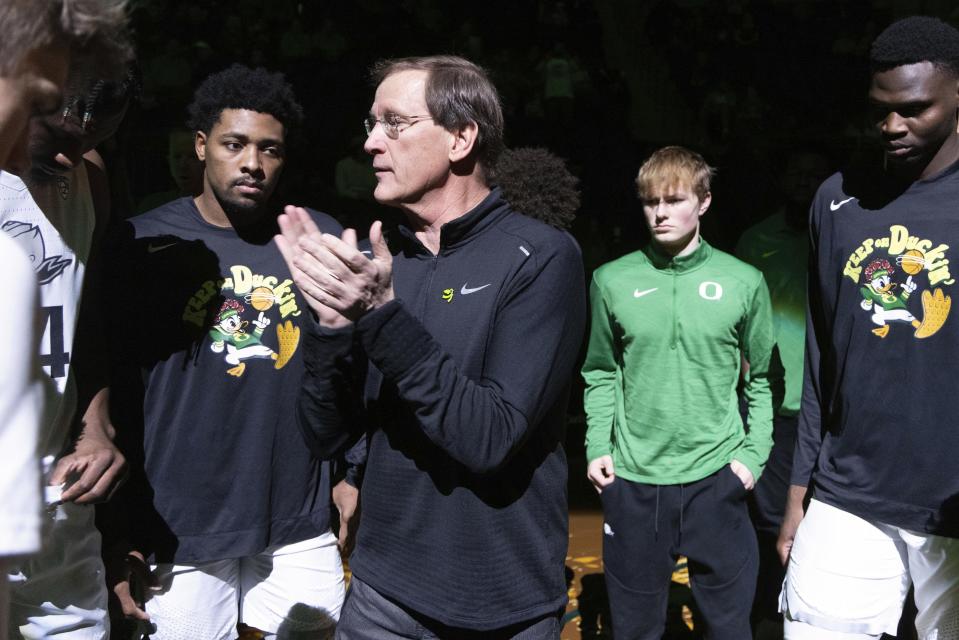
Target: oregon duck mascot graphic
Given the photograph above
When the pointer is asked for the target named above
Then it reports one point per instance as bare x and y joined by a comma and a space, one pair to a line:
886, 296
239, 330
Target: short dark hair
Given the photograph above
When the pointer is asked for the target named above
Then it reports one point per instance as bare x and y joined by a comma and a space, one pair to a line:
95, 29
458, 92
537, 183
916, 39
240, 87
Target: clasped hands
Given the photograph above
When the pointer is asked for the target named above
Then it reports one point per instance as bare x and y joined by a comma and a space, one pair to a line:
339, 282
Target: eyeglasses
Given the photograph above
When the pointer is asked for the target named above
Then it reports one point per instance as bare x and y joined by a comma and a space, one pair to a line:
392, 123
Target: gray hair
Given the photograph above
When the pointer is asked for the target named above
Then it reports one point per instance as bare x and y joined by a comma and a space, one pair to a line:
91, 29
458, 92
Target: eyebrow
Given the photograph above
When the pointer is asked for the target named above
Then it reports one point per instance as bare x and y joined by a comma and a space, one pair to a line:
245, 138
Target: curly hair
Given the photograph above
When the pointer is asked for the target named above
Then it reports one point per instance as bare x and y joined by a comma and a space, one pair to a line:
916, 39
538, 184
240, 87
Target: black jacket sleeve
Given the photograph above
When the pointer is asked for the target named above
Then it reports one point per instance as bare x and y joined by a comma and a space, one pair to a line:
329, 411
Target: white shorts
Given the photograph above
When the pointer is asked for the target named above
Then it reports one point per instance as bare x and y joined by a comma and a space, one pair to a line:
285, 590
849, 575
61, 592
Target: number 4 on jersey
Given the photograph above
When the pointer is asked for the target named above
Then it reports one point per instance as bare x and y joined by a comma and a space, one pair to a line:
57, 358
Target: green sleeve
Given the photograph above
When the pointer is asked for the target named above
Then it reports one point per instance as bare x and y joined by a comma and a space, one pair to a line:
599, 372
756, 341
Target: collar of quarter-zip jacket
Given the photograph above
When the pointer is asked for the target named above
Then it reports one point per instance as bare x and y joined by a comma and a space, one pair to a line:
680, 264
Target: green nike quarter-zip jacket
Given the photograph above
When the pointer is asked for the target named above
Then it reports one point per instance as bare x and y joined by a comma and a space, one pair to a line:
664, 362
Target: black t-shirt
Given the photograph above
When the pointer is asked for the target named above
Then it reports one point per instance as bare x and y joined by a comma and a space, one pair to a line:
211, 318
877, 432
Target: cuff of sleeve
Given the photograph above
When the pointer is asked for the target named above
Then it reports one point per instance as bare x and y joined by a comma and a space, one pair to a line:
324, 346
354, 476
800, 477
597, 451
393, 339
754, 466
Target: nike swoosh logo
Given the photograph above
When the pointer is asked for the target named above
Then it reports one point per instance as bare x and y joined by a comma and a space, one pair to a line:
770, 253
466, 290
639, 294
834, 206
152, 248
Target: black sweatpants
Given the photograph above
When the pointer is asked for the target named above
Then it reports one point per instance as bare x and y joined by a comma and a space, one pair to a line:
648, 526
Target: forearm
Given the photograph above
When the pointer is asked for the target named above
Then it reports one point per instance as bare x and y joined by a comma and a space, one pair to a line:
600, 396
757, 346
759, 440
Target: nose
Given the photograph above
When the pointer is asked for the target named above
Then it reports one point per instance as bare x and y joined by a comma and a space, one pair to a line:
252, 162
893, 125
659, 211
375, 141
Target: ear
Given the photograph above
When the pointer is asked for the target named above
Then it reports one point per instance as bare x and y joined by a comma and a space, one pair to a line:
704, 203
199, 145
463, 141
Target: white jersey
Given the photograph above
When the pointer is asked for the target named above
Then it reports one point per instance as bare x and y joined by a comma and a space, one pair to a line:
53, 222
19, 410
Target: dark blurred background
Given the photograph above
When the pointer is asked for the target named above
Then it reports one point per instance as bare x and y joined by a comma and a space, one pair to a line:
599, 82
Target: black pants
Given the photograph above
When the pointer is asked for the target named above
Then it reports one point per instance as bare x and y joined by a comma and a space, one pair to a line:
648, 526
767, 504
368, 615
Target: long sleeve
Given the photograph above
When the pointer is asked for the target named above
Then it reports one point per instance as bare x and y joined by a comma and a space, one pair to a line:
532, 348
756, 342
600, 373
327, 410
810, 433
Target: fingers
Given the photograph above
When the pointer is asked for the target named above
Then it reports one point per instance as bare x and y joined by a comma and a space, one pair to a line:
128, 603
63, 469
100, 475
349, 238
347, 253
380, 249
600, 473
783, 547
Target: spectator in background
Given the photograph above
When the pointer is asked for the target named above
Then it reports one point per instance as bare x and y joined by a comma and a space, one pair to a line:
779, 247
185, 169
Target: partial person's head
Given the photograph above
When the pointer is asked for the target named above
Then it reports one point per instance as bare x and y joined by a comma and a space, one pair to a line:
432, 118
39, 40
93, 110
243, 118
537, 184
914, 91
804, 171
185, 168
674, 188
